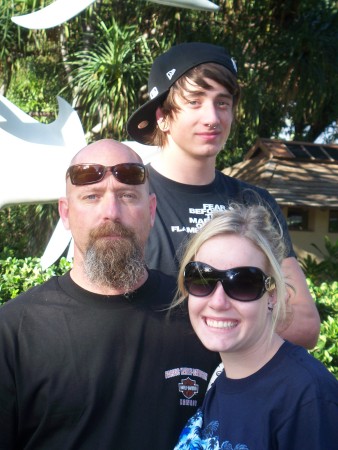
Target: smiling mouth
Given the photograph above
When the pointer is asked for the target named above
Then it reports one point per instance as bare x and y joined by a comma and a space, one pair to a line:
221, 323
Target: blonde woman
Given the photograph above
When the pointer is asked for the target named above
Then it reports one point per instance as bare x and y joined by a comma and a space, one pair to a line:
272, 394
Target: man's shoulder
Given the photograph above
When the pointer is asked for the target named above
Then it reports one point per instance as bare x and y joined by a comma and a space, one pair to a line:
236, 182
32, 295
241, 188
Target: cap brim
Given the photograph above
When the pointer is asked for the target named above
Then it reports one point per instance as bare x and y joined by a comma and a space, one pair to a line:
142, 122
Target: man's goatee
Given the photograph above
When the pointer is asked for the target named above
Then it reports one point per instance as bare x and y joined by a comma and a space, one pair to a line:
116, 262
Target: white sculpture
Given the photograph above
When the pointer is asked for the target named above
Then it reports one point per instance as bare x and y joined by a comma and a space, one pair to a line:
35, 155
52, 15
62, 10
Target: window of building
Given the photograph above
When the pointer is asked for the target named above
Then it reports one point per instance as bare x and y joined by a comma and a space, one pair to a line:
333, 221
298, 219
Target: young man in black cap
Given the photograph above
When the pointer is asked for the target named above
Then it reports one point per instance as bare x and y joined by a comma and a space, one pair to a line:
194, 94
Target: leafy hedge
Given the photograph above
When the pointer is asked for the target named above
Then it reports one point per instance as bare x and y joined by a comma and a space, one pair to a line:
18, 275
323, 284
326, 350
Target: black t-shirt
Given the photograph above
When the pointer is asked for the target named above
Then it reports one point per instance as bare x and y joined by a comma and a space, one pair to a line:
182, 209
82, 371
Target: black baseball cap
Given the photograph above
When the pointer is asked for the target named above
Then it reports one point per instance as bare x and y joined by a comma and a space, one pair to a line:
165, 71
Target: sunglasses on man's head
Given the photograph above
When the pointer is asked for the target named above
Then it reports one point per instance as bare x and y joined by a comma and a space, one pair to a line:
127, 173
245, 284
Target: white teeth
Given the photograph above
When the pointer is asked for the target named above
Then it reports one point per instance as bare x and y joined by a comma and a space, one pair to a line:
220, 324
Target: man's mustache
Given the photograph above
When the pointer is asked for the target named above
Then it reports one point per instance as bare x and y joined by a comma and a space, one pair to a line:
111, 229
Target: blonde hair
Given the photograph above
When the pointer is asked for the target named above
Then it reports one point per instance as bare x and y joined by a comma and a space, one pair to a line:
254, 223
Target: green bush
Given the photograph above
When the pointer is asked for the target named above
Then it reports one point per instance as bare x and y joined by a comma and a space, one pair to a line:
326, 297
18, 275
25, 229
322, 278
325, 270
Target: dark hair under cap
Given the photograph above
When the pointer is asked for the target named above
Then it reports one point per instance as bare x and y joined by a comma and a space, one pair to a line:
166, 70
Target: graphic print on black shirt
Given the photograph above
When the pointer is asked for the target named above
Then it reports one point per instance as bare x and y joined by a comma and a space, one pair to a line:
183, 209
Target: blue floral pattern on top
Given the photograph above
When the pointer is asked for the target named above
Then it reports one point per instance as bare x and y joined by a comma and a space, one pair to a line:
195, 437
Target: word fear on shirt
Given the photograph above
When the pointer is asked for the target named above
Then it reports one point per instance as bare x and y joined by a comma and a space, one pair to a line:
198, 217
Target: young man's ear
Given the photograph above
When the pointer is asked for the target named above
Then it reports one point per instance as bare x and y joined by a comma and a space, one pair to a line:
161, 120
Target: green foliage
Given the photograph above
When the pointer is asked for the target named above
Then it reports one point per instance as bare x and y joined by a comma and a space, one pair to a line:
35, 85
106, 78
322, 278
17, 43
326, 350
18, 275
11, 42
26, 229
282, 54
325, 270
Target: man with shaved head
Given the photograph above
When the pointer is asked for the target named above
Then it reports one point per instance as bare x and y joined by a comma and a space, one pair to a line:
92, 360
109, 219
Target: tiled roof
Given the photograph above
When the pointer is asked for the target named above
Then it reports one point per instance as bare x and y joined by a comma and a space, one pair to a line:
295, 173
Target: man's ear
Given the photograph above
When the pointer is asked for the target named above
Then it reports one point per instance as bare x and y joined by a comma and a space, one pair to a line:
152, 208
64, 212
161, 120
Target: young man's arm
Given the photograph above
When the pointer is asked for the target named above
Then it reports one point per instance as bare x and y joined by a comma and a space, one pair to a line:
303, 324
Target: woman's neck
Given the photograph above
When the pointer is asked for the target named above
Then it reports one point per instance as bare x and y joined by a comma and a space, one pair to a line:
242, 364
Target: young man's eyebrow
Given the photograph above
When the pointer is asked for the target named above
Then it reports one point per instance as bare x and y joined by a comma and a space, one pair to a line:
202, 93
198, 93
226, 95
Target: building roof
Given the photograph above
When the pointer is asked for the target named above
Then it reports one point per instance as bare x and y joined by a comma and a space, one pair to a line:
295, 173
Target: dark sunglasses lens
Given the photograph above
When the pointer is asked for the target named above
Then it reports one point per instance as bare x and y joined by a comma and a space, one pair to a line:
86, 174
197, 280
199, 286
245, 284
130, 173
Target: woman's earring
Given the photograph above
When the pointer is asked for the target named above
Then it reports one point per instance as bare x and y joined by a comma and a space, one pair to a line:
270, 307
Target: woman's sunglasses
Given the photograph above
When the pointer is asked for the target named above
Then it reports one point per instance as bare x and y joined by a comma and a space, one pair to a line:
127, 173
245, 284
